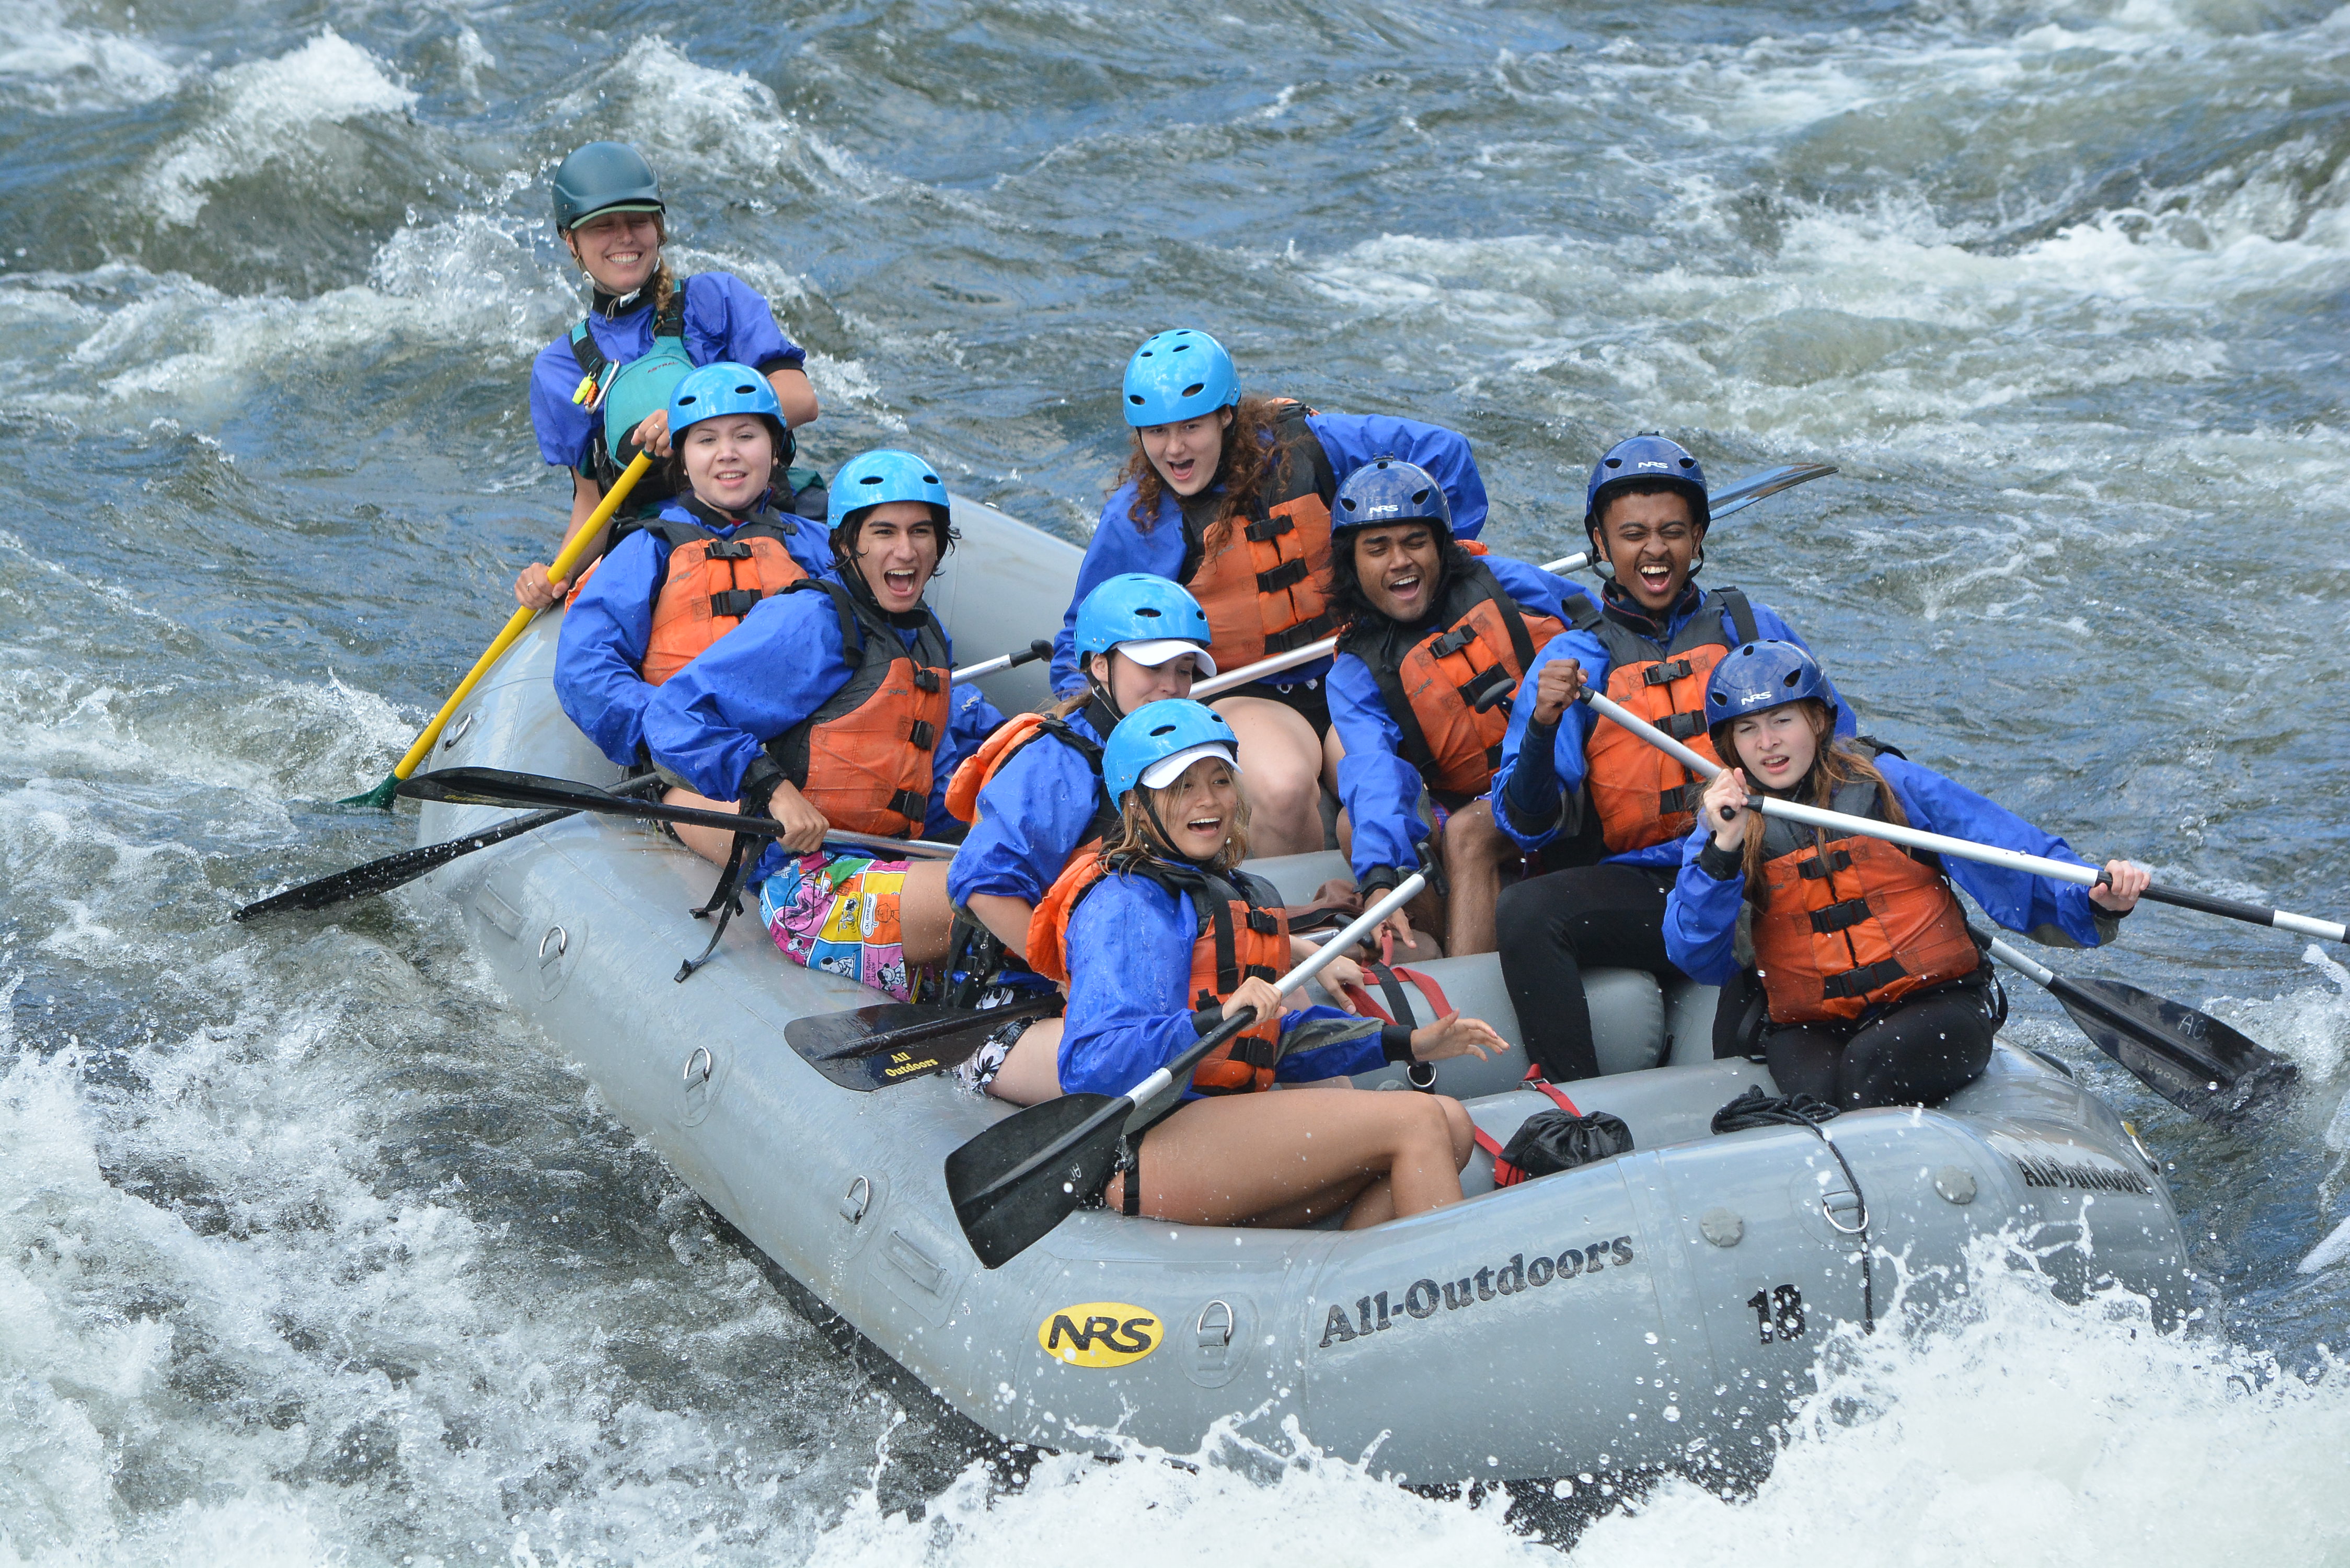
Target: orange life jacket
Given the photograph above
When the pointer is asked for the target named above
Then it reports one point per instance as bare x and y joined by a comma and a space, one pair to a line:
1432, 686
1014, 736
709, 583
1241, 933
1853, 923
863, 758
1642, 795
1263, 588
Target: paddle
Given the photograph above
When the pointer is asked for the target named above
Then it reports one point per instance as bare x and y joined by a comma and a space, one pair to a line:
516, 624
871, 1048
1737, 498
2189, 1058
1028, 1172
495, 786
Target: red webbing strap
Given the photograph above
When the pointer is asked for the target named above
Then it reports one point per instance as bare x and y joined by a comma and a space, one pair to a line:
1504, 1173
1388, 978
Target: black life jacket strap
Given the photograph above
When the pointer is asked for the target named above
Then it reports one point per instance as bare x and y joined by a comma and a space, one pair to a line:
1862, 981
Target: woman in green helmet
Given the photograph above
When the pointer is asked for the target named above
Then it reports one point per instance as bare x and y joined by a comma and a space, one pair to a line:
600, 392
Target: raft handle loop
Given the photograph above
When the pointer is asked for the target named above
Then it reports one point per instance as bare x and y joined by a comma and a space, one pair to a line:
457, 730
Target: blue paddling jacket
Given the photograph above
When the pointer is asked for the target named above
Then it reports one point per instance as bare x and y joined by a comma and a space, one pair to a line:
1042, 802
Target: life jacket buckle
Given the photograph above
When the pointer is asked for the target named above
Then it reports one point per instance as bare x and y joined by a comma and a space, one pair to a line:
921, 735
1666, 674
1825, 865
1268, 528
1264, 923
1840, 916
727, 550
1452, 641
910, 806
1286, 574
1682, 726
735, 602
927, 679
1862, 981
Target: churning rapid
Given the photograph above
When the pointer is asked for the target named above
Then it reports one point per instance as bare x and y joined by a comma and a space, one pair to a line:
309, 1250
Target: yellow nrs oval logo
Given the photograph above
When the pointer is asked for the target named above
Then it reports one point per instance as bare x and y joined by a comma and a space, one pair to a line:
1100, 1333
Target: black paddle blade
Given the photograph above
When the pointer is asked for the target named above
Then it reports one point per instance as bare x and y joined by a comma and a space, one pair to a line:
392, 870
1027, 1173
497, 786
2189, 1058
872, 1048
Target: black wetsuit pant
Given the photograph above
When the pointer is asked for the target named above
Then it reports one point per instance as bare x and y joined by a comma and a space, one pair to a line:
1921, 1050
1611, 917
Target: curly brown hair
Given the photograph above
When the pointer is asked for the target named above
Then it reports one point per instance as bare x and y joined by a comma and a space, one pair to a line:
1253, 457
1834, 765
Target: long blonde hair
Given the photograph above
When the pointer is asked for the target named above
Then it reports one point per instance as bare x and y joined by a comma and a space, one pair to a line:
1834, 765
1134, 839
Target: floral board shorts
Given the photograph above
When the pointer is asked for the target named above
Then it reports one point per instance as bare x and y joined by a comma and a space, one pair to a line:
839, 914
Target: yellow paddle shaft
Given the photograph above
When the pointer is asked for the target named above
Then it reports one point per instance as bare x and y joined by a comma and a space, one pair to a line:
570, 557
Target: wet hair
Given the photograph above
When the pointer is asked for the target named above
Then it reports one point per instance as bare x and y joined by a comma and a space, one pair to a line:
843, 538
1836, 763
1134, 839
1252, 455
779, 447
1342, 584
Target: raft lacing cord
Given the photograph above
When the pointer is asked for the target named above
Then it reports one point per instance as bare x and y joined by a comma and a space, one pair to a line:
1805, 1111
723, 901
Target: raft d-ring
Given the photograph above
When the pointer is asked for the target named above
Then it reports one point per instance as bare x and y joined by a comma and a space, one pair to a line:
559, 937
1212, 1336
696, 1076
457, 730
857, 1199
1828, 1207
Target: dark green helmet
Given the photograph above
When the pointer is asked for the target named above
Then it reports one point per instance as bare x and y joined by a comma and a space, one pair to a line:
604, 177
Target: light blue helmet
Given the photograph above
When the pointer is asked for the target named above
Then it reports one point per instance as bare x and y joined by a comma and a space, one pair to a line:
1158, 741
875, 478
1135, 608
1759, 677
715, 390
1177, 375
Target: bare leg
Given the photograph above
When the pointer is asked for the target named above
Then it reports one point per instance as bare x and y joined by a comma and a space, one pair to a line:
1332, 749
1474, 853
925, 918
1229, 1160
1032, 1072
1280, 764
709, 842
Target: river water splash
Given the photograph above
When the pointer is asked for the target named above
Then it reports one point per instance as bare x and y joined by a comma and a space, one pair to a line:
310, 1250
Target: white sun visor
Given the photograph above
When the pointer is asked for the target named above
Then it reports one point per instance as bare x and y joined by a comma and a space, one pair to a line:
1152, 652
1166, 770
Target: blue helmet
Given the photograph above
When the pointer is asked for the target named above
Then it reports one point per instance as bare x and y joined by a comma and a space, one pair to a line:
604, 177
1177, 375
1136, 606
724, 388
1644, 457
874, 478
1389, 490
1159, 740
1761, 676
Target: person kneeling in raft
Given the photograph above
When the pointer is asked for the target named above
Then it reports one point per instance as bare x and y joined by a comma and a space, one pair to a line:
1033, 797
1877, 996
829, 707
1655, 638
1159, 936
1438, 634
660, 596
1231, 497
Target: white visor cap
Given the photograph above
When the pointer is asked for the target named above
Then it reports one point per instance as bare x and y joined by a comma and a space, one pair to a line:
1152, 652
1166, 770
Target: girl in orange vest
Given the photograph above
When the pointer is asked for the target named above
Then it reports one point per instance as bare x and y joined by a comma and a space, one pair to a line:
1877, 995
1158, 938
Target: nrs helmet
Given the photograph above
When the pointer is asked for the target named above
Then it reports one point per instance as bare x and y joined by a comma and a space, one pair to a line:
875, 478
1177, 375
1644, 458
604, 177
1152, 618
711, 392
1387, 489
1153, 745
1759, 677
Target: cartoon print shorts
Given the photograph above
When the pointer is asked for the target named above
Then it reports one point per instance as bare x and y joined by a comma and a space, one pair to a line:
839, 913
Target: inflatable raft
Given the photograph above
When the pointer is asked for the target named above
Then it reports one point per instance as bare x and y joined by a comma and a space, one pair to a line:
1657, 1308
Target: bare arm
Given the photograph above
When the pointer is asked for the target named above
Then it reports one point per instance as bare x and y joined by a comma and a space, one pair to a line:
797, 397
1007, 918
534, 588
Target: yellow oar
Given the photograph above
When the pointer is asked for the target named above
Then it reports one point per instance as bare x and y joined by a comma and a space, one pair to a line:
382, 794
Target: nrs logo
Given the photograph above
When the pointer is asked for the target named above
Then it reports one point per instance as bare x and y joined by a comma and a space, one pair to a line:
1650, 463
1100, 1333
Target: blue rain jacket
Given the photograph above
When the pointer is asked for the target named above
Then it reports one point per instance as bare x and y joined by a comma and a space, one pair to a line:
1032, 815
1380, 790
1702, 915
601, 649
1129, 950
710, 721
1540, 826
726, 319
1350, 440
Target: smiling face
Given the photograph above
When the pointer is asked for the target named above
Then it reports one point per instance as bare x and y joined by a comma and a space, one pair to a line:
1200, 809
1651, 541
1186, 454
1777, 747
897, 550
619, 250
1131, 684
1397, 566
729, 460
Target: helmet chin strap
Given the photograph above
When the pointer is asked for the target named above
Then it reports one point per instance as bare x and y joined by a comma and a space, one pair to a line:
1166, 839
1100, 691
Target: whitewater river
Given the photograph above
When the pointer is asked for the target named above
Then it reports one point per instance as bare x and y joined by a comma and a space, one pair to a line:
310, 1251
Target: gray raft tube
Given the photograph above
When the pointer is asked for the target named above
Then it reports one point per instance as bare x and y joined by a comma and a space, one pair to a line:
1613, 1315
